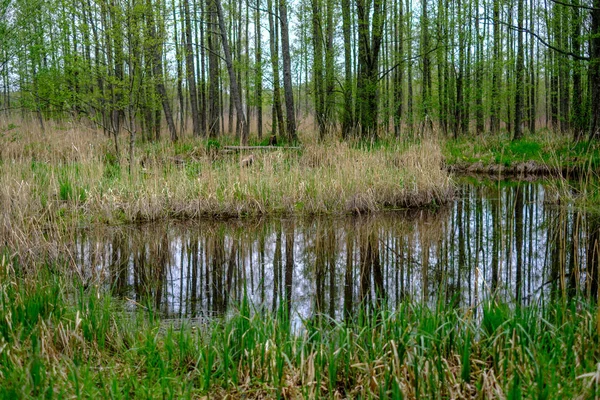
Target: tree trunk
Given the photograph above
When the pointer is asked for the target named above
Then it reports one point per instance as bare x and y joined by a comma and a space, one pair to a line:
520, 72
369, 46
287, 74
317, 39
594, 72
277, 117
157, 70
348, 114
259, 72
213, 72
235, 91
190, 71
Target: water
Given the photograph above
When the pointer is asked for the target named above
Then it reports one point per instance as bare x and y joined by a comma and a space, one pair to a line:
497, 239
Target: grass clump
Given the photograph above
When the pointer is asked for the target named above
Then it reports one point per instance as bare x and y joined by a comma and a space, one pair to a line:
59, 340
553, 152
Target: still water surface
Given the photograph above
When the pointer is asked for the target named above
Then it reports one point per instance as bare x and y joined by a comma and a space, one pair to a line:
497, 239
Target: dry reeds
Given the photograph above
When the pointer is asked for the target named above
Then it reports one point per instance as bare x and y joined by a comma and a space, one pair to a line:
71, 174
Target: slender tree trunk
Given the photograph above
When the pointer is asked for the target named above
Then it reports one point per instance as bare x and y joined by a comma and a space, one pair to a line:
190, 70
520, 75
317, 39
479, 125
157, 70
426, 63
258, 72
348, 113
577, 117
278, 125
370, 35
329, 69
235, 91
495, 111
213, 71
532, 82
594, 72
287, 73
399, 70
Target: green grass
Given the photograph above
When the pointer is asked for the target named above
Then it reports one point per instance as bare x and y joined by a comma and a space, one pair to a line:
554, 151
58, 340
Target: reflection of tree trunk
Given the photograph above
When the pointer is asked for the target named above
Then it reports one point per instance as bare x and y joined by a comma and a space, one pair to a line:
425, 268
159, 278
218, 261
573, 259
348, 278
376, 265
365, 270
119, 264
277, 262
193, 254
319, 270
331, 250
555, 262
261, 252
231, 265
519, 243
289, 267
461, 244
496, 234
593, 254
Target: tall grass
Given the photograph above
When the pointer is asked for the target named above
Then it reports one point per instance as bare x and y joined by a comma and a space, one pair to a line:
59, 340
71, 175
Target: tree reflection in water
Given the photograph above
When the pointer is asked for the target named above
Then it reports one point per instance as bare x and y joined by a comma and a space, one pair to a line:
500, 239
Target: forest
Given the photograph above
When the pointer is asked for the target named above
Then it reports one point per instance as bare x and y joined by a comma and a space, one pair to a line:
300, 199
359, 69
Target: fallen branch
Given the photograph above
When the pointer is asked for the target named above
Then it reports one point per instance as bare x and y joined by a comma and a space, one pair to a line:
238, 148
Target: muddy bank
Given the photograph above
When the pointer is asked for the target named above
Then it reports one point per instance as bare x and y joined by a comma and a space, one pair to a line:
527, 168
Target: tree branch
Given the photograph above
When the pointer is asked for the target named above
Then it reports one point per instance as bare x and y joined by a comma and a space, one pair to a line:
541, 40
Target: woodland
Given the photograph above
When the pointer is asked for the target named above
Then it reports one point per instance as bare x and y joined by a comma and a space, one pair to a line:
353, 69
299, 199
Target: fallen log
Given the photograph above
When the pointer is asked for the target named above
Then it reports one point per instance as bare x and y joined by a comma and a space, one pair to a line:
238, 148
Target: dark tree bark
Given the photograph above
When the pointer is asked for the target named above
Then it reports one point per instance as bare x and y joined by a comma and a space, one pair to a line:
258, 72
370, 34
317, 70
594, 72
520, 72
157, 69
235, 91
213, 71
278, 125
399, 71
190, 71
287, 74
348, 113
577, 116
495, 111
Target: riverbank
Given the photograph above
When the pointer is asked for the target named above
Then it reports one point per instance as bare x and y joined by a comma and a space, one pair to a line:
61, 340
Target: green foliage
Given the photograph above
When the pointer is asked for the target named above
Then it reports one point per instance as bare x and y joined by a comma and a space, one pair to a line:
112, 167
552, 151
212, 145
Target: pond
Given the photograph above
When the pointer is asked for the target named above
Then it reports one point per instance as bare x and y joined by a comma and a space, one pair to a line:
504, 239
